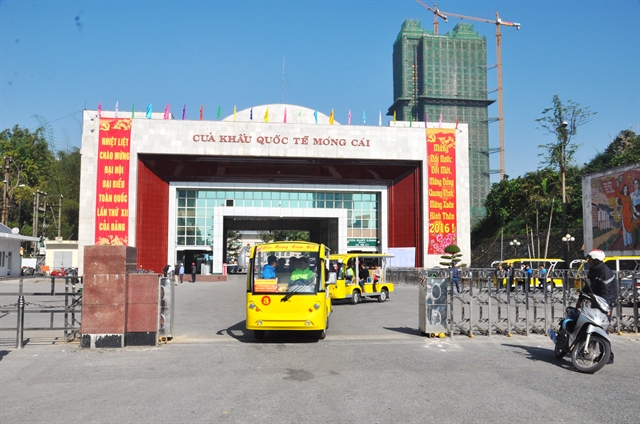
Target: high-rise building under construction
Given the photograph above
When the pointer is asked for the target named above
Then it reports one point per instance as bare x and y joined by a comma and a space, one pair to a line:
445, 77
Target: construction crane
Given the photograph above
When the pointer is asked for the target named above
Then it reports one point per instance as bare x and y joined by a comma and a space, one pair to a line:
436, 15
498, 23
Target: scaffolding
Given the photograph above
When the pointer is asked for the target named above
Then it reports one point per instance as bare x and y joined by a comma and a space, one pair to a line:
446, 75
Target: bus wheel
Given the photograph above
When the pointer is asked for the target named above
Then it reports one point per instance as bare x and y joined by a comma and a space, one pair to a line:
258, 334
383, 295
355, 297
321, 334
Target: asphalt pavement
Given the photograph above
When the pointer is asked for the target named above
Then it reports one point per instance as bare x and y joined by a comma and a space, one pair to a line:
373, 367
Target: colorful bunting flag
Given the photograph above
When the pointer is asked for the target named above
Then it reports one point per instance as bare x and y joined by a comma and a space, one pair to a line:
285, 115
201, 111
166, 112
149, 111
266, 116
116, 109
100, 110
394, 116
315, 115
133, 111
379, 118
251, 114
364, 117
331, 118
457, 121
218, 112
349, 118
184, 111
440, 124
234, 113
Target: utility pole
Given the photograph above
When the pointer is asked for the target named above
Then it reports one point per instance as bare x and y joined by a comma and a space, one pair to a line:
59, 214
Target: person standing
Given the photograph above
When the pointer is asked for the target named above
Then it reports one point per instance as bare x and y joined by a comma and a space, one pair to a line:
455, 276
193, 272
181, 273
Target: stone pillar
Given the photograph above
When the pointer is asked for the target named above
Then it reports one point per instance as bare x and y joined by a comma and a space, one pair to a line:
142, 310
104, 299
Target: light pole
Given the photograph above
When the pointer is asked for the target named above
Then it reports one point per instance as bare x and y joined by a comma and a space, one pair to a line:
515, 243
567, 239
564, 136
5, 199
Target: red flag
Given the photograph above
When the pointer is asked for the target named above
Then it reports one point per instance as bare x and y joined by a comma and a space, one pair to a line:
201, 110
100, 110
457, 120
166, 112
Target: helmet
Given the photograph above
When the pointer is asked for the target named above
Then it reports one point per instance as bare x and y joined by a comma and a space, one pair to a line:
596, 254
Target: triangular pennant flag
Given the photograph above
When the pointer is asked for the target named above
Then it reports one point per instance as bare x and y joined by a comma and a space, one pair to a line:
201, 111
440, 124
457, 121
364, 117
166, 112
394, 116
349, 118
149, 111
218, 112
331, 118
133, 110
266, 116
285, 115
100, 110
116, 109
379, 118
315, 115
184, 111
234, 113
251, 114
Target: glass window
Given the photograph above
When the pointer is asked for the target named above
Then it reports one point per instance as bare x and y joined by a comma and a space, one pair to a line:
285, 195
275, 195
239, 195
191, 241
294, 271
320, 204
257, 195
191, 203
294, 196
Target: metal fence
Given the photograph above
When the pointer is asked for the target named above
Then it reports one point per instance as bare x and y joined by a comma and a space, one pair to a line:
67, 303
491, 302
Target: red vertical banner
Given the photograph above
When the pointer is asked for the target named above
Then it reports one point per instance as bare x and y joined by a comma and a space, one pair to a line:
441, 164
112, 191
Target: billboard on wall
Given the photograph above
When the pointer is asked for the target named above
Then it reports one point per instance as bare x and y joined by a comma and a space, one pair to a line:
611, 210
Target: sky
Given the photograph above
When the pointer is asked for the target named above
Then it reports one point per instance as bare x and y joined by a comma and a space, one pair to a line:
60, 57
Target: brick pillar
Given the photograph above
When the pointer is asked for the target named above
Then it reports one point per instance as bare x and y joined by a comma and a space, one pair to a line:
104, 299
142, 310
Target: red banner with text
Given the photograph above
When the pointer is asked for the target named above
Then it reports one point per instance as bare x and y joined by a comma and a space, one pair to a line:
112, 192
441, 164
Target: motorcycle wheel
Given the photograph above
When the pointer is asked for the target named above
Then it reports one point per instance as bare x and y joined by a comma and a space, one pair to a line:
559, 351
595, 358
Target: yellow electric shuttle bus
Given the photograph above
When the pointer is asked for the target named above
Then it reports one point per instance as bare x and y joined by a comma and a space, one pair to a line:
286, 288
345, 281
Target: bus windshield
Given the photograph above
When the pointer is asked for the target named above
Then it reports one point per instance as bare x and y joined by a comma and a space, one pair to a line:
285, 268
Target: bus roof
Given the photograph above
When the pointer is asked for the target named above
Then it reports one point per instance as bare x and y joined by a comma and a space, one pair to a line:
343, 256
515, 260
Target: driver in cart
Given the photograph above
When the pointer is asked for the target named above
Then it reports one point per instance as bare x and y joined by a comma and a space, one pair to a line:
302, 275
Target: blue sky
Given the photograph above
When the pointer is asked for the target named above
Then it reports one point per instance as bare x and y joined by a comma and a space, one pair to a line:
59, 56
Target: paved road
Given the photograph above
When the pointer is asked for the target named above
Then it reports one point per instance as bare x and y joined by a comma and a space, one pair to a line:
373, 367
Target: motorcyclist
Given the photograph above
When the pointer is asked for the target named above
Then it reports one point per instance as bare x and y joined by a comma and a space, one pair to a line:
601, 282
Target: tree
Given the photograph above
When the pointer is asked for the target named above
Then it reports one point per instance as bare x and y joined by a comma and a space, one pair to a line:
270, 236
562, 120
233, 243
453, 256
